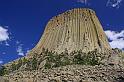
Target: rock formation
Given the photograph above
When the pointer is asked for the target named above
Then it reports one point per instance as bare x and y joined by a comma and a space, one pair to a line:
73, 48
76, 29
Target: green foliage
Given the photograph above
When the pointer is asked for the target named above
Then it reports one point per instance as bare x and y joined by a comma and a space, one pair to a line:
78, 59
48, 65
65, 61
24, 60
18, 64
34, 63
13, 67
3, 71
57, 60
29, 65
86, 59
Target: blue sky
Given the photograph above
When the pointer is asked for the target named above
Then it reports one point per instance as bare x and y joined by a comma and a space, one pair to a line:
22, 22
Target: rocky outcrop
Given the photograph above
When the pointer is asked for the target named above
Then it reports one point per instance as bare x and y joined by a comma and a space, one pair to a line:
70, 73
76, 29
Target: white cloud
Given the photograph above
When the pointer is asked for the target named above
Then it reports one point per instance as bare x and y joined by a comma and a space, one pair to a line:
113, 35
1, 62
114, 3
20, 50
4, 35
117, 38
117, 43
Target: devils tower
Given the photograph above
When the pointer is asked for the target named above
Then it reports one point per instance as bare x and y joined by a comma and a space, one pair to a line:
73, 48
76, 29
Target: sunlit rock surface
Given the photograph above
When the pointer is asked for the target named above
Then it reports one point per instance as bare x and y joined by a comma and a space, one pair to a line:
76, 29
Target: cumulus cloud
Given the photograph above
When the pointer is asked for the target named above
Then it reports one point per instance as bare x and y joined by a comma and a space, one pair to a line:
114, 3
116, 38
4, 35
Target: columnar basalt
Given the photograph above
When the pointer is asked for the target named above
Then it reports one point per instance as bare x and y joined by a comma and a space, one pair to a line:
73, 48
76, 29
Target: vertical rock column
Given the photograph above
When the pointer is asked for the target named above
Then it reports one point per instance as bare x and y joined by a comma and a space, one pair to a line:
76, 29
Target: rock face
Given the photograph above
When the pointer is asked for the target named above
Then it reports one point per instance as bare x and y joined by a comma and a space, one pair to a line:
76, 29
